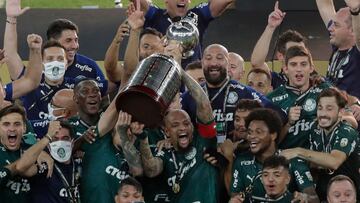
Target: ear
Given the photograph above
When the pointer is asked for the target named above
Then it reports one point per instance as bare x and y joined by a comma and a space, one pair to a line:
273, 136
288, 178
75, 99
285, 69
279, 56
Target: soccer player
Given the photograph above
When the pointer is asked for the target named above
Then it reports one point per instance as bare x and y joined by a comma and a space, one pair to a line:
264, 126
334, 145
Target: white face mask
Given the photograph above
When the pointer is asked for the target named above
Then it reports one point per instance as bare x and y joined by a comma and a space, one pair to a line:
54, 70
61, 150
51, 115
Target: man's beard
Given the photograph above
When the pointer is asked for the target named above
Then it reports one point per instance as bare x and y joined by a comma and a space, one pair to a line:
218, 80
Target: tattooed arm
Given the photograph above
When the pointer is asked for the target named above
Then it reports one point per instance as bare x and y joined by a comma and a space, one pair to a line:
132, 156
153, 166
203, 106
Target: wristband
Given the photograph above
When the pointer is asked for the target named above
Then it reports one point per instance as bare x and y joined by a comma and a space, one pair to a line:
12, 23
11, 20
355, 13
48, 137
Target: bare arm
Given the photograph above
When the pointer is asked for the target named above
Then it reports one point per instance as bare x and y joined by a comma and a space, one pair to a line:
13, 62
217, 7
261, 48
354, 6
312, 197
112, 67
132, 156
203, 106
332, 160
131, 58
327, 10
33, 72
153, 166
29, 158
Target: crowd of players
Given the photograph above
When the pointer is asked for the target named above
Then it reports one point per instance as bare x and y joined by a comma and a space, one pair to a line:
283, 137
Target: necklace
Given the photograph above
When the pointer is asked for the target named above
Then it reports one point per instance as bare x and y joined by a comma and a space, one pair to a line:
336, 63
70, 189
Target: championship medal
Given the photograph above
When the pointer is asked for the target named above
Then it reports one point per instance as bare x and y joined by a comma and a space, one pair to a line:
176, 188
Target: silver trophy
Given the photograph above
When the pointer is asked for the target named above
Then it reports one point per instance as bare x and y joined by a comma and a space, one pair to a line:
151, 89
185, 32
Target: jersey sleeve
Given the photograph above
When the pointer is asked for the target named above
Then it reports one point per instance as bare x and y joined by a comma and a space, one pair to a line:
236, 181
151, 12
207, 130
8, 88
99, 74
346, 139
301, 173
204, 10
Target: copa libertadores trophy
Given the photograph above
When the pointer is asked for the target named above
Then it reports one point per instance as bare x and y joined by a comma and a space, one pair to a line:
157, 79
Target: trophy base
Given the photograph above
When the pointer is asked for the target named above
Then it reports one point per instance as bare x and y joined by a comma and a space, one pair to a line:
143, 105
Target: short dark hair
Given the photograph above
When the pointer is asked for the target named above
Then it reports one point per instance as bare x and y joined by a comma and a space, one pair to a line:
57, 26
81, 80
270, 117
150, 31
275, 161
259, 70
297, 51
248, 104
339, 178
333, 92
194, 65
131, 181
14, 108
288, 36
65, 124
51, 43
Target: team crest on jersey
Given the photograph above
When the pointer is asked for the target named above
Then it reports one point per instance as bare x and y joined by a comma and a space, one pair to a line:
310, 105
191, 154
343, 142
232, 98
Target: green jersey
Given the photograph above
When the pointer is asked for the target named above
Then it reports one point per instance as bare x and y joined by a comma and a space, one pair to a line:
104, 167
13, 189
196, 177
343, 138
160, 193
247, 177
286, 97
284, 198
79, 126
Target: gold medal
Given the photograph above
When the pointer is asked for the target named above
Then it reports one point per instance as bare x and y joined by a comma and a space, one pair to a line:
176, 188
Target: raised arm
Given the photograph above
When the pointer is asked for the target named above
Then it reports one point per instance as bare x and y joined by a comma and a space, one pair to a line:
33, 71
354, 6
327, 10
112, 67
153, 166
132, 156
13, 62
261, 48
131, 59
217, 7
27, 161
332, 160
203, 106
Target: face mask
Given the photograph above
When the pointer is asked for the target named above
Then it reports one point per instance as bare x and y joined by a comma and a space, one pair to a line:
54, 70
51, 115
61, 150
